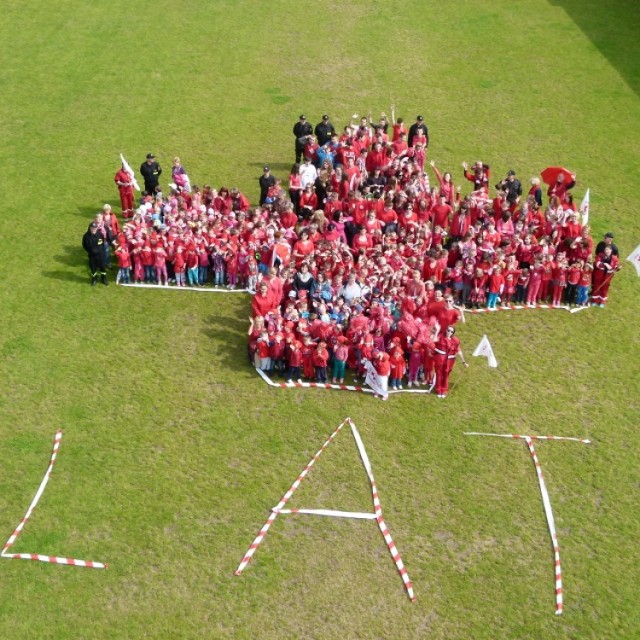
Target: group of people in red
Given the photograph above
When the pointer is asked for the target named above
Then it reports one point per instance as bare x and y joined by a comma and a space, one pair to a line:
360, 261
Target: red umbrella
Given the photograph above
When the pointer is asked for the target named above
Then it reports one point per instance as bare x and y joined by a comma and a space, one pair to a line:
550, 175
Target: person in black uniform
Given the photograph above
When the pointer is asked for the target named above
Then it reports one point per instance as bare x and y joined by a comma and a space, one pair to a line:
266, 181
512, 186
150, 171
418, 125
607, 242
301, 130
324, 130
93, 243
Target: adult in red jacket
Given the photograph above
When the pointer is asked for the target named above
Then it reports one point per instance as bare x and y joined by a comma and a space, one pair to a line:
264, 301
447, 348
125, 188
606, 266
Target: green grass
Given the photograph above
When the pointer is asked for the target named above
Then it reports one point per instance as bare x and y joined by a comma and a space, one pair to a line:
174, 451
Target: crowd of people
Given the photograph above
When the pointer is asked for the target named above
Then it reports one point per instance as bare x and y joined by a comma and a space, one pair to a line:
368, 255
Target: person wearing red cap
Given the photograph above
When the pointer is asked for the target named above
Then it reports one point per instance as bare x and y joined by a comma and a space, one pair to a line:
398, 368
276, 354
447, 348
295, 362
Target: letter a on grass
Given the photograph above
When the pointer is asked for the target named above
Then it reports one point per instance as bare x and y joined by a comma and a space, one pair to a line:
376, 515
485, 350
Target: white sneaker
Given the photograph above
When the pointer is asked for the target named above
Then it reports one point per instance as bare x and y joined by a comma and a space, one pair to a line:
409, 384
400, 386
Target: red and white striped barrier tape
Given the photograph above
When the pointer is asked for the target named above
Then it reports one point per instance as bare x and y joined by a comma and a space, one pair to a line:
331, 512
559, 591
377, 515
518, 307
377, 507
327, 385
162, 287
35, 556
552, 528
513, 435
285, 498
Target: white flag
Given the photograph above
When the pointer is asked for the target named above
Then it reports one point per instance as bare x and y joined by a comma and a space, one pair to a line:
129, 170
634, 259
584, 208
372, 379
484, 349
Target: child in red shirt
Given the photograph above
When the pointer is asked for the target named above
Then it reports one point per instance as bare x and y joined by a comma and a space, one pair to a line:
477, 295
559, 272
535, 281
573, 278
320, 358
124, 264
295, 362
496, 287
398, 368
415, 362
179, 267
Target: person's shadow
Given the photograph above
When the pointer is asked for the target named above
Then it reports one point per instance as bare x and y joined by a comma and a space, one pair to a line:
74, 258
229, 334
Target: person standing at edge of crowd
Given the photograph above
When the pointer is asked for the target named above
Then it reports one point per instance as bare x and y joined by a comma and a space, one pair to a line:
93, 243
512, 186
414, 130
324, 130
301, 130
266, 181
124, 183
151, 172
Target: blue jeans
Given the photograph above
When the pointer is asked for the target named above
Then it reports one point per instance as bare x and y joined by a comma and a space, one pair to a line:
583, 294
219, 277
492, 299
202, 275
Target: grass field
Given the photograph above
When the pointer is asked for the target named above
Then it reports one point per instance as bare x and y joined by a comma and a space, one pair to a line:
174, 450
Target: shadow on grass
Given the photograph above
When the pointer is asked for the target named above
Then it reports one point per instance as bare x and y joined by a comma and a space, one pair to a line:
229, 335
68, 276
613, 28
70, 256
